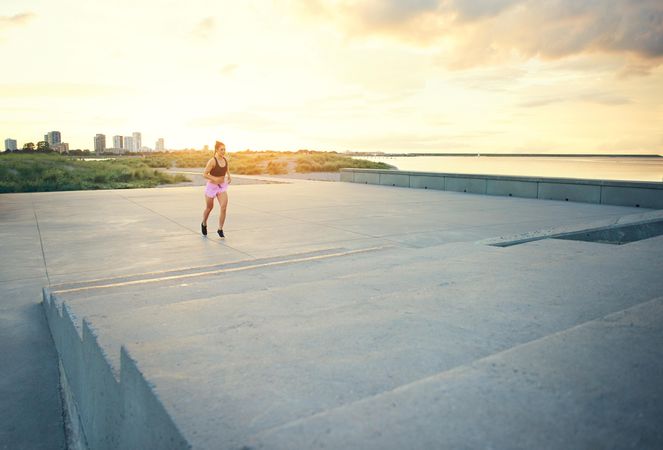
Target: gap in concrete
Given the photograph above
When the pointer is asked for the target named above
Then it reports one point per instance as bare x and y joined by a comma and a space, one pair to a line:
628, 229
618, 235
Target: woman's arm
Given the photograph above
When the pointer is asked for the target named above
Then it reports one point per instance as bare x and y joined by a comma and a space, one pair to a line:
207, 175
230, 180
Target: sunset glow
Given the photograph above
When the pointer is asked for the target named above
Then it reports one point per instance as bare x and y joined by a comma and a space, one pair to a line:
363, 75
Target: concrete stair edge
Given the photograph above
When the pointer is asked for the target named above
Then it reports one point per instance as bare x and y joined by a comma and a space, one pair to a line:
262, 439
113, 408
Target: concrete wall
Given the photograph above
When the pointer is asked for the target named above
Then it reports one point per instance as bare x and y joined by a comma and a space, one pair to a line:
622, 193
394, 179
465, 184
423, 182
113, 409
512, 188
570, 192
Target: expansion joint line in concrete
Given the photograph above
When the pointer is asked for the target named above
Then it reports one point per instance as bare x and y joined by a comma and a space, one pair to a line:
41, 241
220, 271
180, 225
183, 270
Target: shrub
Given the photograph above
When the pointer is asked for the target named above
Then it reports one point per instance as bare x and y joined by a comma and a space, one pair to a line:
277, 167
247, 169
52, 172
332, 162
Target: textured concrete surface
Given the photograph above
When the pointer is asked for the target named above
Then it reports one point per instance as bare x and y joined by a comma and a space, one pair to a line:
30, 409
340, 315
584, 387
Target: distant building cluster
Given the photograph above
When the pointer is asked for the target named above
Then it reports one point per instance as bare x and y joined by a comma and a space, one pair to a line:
52, 141
125, 144
120, 144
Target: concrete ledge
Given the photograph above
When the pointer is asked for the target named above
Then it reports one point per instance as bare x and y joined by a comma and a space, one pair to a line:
632, 196
590, 402
366, 178
527, 189
570, 192
607, 192
464, 184
388, 179
347, 176
637, 226
423, 182
112, 407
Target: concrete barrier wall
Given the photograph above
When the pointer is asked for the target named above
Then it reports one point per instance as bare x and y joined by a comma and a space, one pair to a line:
527, 189
465, 184
112, 410
622, 193
394, 179
367, 178
570, 192
423, 182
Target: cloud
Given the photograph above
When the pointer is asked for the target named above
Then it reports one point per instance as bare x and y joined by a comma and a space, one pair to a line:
392, 12
563, 28
602, 98
477, 9
490, 79
16, 20
478, 32
204, 28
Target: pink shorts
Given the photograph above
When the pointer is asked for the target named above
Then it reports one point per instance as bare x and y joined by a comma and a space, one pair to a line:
211, 189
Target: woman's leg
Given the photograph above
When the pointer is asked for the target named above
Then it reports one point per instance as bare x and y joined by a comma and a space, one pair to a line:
209, 204
223, 204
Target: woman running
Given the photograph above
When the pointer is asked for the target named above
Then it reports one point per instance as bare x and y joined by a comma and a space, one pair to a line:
218, 178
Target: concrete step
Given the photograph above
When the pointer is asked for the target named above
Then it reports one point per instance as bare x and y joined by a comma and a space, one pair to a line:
596, 385
226, 367
107, 296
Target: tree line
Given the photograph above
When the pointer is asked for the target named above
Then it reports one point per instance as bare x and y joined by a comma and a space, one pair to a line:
44, 147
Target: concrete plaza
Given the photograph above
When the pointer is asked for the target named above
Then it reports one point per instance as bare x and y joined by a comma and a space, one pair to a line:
333, 315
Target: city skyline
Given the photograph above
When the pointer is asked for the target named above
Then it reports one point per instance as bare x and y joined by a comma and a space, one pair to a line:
366, 75
54, 139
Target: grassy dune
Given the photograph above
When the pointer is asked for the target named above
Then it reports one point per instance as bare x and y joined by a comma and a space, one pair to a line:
52, 172
274, 163
20, 172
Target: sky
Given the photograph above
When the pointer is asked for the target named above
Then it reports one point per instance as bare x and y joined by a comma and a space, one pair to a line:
513, 76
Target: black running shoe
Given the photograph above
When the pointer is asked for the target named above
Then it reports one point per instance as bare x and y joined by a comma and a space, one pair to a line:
203, 229
220, 233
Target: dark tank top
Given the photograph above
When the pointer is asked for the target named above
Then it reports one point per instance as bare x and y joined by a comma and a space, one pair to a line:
217, 170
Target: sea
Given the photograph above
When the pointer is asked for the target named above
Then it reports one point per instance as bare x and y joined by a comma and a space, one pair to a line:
622, 168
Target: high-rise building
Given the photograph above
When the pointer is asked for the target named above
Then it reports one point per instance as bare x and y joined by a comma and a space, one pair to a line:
60, 147
128, 143
100, 143
159, 146
137, 138
118, 142
53, 137
10, 144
